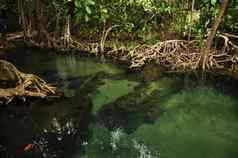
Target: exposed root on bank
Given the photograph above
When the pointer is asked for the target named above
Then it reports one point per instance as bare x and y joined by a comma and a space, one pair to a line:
175, 55
181, 56
16, 84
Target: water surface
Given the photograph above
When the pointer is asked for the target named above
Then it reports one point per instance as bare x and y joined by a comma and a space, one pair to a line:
110, 113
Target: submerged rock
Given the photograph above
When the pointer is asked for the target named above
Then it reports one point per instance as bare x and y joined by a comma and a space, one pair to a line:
152, 72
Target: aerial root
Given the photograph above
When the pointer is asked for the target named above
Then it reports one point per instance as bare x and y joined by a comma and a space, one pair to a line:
175, 55
28, 85
181, 56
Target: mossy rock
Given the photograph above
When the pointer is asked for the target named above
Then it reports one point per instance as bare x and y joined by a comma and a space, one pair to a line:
9, 75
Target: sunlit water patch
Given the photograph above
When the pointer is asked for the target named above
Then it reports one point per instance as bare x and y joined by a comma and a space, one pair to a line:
198, 122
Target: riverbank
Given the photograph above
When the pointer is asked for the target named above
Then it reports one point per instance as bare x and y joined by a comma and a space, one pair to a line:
175, 56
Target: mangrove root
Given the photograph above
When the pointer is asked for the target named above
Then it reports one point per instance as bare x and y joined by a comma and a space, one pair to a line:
175, 55
182, 56
16, 84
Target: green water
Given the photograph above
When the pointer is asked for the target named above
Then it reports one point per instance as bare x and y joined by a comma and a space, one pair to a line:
117, 114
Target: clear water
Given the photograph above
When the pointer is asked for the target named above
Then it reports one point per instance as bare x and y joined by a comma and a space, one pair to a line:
110, 113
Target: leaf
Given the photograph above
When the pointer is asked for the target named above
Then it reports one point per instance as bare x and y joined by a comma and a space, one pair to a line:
88, 10
77, 18
91, 2
104, 10
213, 2
86, 18
77, 3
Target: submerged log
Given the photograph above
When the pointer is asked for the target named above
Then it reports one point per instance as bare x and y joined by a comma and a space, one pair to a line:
16, 84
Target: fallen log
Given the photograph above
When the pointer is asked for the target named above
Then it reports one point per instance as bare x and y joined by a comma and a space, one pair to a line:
16, 84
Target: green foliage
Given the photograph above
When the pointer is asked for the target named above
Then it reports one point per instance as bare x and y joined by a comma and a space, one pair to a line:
58, 5
143, 19
130, 15
209, 9
231, 19
143, 16
83, 10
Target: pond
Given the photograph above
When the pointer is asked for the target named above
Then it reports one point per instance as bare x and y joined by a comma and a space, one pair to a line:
109, 112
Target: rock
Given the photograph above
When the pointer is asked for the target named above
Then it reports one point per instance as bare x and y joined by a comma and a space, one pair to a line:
9, 76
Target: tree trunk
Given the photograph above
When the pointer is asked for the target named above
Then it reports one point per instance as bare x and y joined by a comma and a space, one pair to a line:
29, 19
43, 35
39, 14
211, 35
22, 19
40, 24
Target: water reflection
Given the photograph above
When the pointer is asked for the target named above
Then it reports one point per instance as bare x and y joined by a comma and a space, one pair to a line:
73, 66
